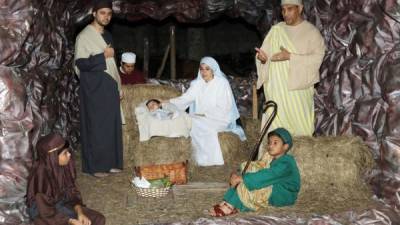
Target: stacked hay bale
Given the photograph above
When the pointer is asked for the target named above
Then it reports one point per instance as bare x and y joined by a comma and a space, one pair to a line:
233, 150
136, 94
133, 96
252, 128
128, 130
332, 171
161, 150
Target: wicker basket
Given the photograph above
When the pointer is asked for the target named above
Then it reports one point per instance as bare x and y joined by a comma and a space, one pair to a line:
151, 192
177, 172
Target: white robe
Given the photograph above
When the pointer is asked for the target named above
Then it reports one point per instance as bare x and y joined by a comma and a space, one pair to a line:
212, 105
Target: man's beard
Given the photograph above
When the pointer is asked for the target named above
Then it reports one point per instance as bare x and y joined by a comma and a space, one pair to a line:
288, 21
102, 23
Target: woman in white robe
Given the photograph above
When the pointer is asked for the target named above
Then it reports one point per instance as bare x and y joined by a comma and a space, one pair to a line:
213, 109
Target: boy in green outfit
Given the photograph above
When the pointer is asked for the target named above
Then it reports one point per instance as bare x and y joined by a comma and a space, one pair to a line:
276, 183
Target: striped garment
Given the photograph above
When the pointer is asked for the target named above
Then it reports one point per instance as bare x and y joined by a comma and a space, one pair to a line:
295, 107
255, 199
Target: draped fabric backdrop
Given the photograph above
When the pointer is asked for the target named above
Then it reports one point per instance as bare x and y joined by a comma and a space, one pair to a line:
359, 92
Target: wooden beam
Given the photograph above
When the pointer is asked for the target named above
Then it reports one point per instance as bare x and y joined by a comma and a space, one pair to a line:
146, 58
164, 60
255, 101
173, 52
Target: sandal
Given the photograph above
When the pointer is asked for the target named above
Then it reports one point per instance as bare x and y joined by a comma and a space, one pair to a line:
100, 175
114, 170
220, 213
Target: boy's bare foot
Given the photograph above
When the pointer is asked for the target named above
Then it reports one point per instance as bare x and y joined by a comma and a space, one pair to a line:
114, 170
100, 175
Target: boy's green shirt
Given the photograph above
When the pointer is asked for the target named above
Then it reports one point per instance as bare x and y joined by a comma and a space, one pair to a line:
284, 177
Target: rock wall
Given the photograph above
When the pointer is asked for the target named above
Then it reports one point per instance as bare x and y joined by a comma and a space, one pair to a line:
37, 90
358, 93
360, 82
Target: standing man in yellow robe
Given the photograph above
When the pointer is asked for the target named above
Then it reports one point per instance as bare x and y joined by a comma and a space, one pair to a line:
288, 67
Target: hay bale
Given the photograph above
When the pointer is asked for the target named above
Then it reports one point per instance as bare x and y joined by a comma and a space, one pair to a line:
233, 150
137, 93
126, 108
127, 147
209, 173
332, 170
134, 95
161, 150
252, 129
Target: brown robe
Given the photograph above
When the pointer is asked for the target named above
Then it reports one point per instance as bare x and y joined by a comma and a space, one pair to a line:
52, 193
136, 77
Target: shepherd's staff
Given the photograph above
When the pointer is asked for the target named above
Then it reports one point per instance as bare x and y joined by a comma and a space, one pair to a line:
254, 153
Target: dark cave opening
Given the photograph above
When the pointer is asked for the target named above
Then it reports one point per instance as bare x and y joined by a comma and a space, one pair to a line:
230, 41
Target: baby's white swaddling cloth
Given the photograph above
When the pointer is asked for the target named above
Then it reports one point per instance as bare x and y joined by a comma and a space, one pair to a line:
174, 124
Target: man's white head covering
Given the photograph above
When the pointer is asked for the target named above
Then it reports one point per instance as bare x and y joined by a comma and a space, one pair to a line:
128, 57
291, 2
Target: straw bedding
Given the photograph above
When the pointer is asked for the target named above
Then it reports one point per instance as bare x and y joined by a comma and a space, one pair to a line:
233, 150
136, 94
158, 150
252, 130
332, 171
331, 168
161, 150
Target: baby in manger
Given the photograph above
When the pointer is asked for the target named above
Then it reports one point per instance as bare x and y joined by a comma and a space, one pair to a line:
162, 113
161, 119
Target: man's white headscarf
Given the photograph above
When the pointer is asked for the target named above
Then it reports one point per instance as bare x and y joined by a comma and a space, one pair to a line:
291, 2
234, 113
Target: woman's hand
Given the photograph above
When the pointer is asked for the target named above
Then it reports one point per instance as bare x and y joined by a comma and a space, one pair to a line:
235, 180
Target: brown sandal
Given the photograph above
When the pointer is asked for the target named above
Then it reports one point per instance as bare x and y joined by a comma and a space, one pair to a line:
220, 213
